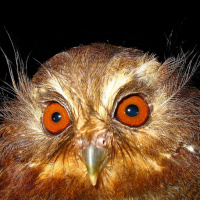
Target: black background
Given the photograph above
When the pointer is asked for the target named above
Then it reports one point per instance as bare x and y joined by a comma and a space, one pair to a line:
40, 31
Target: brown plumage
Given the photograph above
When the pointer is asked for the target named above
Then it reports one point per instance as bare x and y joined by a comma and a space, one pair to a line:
89, 148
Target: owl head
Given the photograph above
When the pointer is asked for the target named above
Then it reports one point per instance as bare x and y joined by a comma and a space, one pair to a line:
102, 122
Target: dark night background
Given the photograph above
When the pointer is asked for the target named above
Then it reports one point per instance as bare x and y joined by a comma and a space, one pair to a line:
40, 31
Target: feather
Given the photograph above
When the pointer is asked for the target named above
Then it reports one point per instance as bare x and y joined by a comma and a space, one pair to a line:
97, 156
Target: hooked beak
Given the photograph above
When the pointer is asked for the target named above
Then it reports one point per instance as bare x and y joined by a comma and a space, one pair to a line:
94, 158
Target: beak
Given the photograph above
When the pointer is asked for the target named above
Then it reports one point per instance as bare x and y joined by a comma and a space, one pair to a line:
94, 158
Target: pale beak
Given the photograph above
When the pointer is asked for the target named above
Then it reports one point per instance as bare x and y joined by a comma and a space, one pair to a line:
94, 158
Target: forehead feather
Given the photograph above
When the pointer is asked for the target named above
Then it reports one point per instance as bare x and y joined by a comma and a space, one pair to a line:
96, 71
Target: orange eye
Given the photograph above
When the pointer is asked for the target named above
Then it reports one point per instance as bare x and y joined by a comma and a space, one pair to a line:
56, 118
133, 111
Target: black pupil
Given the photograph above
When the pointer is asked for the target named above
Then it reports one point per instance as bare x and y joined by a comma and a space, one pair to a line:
132, 110
56, 117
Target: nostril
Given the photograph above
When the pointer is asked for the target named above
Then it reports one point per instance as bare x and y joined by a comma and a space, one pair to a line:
101, 141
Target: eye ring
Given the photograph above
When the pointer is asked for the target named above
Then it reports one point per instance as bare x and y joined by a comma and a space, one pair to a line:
56, 118
132, 111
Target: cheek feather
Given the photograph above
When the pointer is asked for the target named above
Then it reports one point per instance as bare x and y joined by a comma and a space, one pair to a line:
63, 168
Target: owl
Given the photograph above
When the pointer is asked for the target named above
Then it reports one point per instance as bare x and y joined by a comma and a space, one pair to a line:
102, 122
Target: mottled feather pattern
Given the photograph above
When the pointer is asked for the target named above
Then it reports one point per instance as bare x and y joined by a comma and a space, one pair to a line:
158, 160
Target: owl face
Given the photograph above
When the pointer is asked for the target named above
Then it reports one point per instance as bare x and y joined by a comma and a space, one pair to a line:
102, 122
